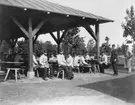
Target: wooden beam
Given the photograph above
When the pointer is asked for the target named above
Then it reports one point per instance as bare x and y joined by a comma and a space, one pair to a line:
20, 26
58, 48
90, 31
54, 37
35, 39
63, 35
98, 40
58, 35
39, 26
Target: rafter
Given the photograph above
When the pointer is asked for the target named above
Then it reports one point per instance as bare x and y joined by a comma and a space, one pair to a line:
63, 35
39, 26
56, 40
90, 31
20, 26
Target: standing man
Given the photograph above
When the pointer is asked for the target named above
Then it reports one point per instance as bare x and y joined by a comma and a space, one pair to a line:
114, 60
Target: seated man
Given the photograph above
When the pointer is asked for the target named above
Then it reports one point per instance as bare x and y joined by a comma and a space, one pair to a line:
84, 64
35, 63
53, 64
43, 60
64, 65
70, 65
87, 58
76, 62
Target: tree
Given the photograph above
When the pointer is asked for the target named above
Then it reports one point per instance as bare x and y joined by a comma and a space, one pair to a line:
107, 39
5, 47
72, 42
105, 47
49, 48
129, 24
91, 47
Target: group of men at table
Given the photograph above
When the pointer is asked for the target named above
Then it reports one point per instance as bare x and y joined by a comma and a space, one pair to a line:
44, 64
66, 63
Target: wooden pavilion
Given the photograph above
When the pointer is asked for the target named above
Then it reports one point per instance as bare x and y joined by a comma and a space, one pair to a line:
30, 18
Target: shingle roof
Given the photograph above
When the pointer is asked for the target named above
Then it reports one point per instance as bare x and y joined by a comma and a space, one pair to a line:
43, 5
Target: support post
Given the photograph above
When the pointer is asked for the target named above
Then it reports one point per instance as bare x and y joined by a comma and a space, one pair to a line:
58, 48
58, 40
98, 40
30, 73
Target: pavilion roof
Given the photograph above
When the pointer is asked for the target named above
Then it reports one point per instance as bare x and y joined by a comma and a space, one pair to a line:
60, 17
46, 6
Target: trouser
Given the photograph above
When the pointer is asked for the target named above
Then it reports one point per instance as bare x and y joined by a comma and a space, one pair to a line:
68, 71
44, 71
114, 66
51, 72
102, 67
65, 68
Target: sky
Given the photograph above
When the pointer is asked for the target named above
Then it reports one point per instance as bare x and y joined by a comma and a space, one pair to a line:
112, 9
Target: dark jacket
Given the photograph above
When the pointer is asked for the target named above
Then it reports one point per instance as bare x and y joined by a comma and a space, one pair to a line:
114, 56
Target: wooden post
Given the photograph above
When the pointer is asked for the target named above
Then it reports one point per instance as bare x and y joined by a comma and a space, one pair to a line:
30, 45
58, 48
98, 40
30, 34
30, 73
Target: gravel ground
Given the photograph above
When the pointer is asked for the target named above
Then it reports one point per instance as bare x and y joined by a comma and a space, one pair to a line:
86, 89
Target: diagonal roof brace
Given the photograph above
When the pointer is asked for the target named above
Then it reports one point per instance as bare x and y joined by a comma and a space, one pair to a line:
90, 31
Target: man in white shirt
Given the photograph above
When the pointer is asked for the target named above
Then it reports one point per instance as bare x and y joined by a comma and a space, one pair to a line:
70, 60
43, 60
84, 64
35, 63
104, 62
82, 60
76, 61
63, 64
87, 57
61, 59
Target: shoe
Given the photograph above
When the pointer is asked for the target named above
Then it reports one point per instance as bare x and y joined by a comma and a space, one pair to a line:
51, 78
129, 72
115, 74
46, 79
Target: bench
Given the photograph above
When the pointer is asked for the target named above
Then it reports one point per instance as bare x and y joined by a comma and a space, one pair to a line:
16, 73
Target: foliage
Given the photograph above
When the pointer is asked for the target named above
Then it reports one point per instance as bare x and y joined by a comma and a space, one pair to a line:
72, 42
39, 47
105, 47
121, 49
49, 48
91, 47
4, 47
129, 24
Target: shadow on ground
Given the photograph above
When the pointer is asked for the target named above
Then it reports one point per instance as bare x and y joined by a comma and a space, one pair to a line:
122, 88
